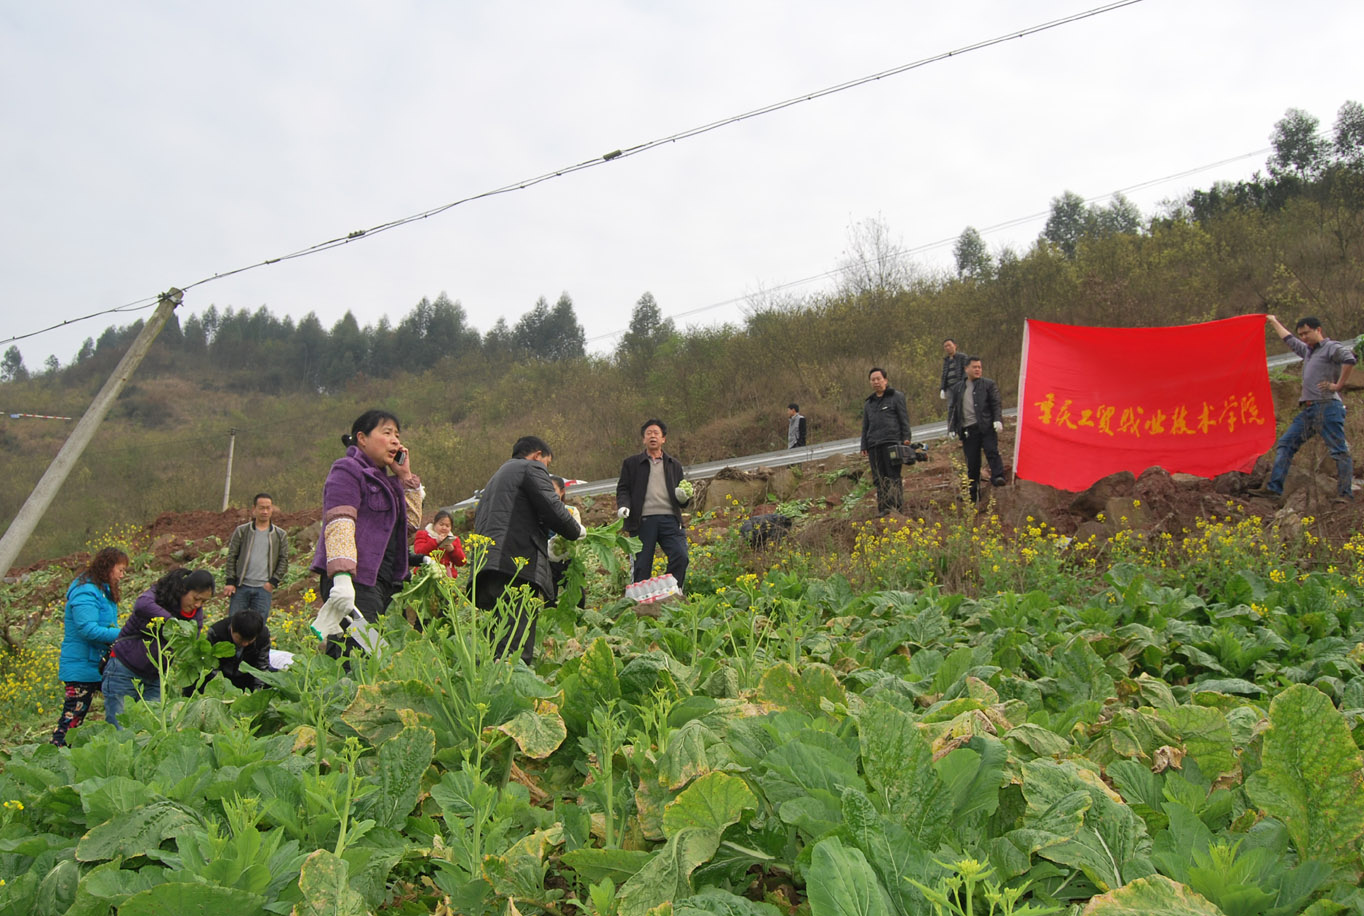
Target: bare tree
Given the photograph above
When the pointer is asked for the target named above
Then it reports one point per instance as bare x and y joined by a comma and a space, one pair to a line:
873, 263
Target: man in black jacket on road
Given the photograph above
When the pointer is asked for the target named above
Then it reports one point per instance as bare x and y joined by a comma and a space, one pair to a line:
885, 426
516, 508
978, 420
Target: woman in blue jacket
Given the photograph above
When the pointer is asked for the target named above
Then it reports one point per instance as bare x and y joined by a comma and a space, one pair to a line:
91, 627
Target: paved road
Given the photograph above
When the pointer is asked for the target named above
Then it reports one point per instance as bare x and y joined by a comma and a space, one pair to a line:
928, 432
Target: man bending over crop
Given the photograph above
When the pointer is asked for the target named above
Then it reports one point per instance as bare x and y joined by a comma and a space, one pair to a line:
516, 508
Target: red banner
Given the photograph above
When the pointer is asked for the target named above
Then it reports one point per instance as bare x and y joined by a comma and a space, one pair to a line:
1093, 401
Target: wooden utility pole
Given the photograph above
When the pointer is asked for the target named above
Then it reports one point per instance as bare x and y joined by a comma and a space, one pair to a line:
231, 446
31, 512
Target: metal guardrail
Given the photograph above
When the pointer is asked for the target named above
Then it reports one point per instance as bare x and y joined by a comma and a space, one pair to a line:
704, 471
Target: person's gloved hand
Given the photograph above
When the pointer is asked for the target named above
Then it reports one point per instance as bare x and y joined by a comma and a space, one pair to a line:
951, 435
582, 531
428, 560
942, 394
683, 491
559, 549
623, 512
340, 605
999, 427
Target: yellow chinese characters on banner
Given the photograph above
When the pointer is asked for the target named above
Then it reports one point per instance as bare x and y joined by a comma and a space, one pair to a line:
1187, 419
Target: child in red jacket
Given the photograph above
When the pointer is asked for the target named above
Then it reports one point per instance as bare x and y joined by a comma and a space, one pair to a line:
437, 541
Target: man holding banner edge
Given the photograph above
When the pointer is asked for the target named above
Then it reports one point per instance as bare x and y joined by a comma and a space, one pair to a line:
1326, 365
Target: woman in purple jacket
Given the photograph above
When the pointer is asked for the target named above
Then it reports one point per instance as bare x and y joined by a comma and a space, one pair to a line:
370, 502
91, 626
132, 669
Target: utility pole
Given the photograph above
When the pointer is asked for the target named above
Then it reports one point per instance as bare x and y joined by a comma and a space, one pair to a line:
231, 446
31, 512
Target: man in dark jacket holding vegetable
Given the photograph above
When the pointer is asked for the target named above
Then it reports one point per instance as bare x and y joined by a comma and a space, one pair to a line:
978, 419
517, 507
885, 426
650, 495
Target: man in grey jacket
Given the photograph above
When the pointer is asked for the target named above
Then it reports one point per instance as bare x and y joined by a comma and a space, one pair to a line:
953, 376
257, 559
795, 426
885, 425
1326, 364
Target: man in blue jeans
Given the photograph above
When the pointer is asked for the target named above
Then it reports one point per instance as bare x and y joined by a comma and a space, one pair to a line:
1326, 365
649, 497
257, 559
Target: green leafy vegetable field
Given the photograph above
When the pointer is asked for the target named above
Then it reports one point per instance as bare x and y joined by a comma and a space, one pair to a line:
1143, 725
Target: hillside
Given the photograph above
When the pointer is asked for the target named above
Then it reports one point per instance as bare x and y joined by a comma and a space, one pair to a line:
1290, 242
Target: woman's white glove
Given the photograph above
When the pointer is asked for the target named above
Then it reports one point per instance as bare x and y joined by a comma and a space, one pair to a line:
340, 606
623, 512
999, 427
942, 394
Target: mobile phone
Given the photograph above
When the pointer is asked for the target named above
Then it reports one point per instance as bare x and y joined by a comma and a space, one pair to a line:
402, 456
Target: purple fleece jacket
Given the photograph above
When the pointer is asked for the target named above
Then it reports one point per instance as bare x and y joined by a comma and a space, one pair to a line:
134, 646
359, 489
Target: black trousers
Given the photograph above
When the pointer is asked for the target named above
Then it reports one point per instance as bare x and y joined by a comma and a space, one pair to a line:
974, 440
661, 531
885, 472
520, 629
370, 601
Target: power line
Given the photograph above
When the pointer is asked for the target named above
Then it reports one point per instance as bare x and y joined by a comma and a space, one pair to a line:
635, 150
134, 306
929, 246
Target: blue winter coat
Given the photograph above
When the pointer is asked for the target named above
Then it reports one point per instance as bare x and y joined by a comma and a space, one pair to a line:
91, 626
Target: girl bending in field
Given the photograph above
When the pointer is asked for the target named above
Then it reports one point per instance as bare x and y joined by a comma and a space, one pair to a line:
133, 668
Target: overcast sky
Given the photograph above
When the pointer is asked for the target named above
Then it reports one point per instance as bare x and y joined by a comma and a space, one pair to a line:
150, 145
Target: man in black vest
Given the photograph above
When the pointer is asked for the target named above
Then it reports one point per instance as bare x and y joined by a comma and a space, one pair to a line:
978, 420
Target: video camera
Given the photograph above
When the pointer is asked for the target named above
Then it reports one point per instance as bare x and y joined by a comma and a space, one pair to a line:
908, 454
